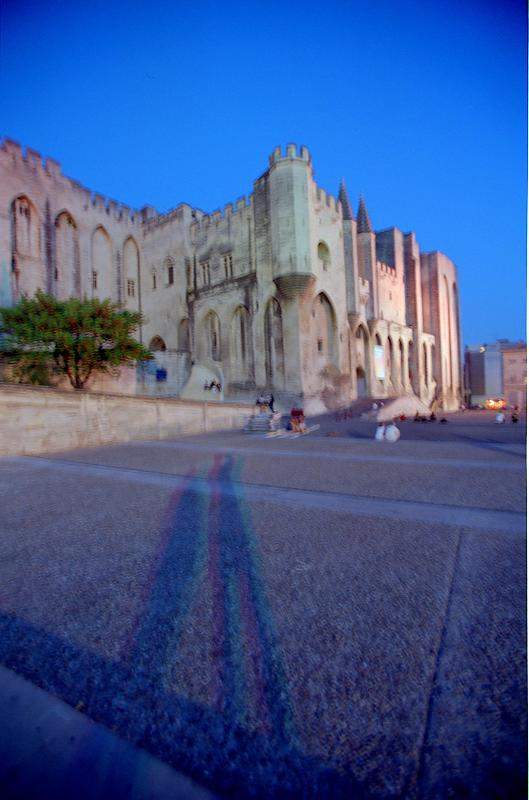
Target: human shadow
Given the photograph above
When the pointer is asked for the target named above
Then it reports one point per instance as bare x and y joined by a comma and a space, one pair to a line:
202, 537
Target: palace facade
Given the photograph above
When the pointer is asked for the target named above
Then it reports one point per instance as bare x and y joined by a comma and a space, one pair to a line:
285, 291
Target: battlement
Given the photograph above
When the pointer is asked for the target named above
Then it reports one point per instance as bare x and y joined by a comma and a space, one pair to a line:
229, 210
27, 158
386, 269
151, 219
326, 199
291, 151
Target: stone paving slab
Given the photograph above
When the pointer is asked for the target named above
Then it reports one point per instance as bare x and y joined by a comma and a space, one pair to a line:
497, 483
480, 681
341, 501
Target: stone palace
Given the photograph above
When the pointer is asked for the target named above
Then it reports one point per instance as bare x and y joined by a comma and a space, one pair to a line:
286, 291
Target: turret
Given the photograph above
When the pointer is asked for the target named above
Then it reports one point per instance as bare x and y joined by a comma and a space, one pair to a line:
343, 197
390, 249
290, 183
367, 256
289, 177
363, 223
350, 256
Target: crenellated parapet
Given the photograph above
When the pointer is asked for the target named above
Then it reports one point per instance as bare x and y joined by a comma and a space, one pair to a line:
326, 199
30, 163
183, 212
28, 159
291, 151
386, 269
230, 210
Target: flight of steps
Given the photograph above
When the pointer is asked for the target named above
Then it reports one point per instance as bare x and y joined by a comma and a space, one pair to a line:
263, 423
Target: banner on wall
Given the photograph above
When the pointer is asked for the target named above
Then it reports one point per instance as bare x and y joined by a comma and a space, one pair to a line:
380, 367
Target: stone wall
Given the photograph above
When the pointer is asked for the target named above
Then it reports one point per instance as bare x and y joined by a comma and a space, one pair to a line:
39, 420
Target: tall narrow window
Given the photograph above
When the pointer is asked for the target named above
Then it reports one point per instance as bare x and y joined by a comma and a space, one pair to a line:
94, 279
212, 337
204, 265
154, 280
170, 275
324, 256
228, 266
130, 288
103, 264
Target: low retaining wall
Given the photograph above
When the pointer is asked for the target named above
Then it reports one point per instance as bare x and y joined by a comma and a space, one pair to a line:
39, 420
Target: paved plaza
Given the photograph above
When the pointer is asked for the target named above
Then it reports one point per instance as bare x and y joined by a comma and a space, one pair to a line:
324, 616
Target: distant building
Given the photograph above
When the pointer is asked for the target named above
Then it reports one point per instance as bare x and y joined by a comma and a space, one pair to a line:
515, 375
286, 291
497, 370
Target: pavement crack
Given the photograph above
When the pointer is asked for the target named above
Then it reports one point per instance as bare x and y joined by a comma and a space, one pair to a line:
421, 767
241, 485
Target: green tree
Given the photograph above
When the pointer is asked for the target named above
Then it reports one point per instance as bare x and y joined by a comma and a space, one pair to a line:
43, 336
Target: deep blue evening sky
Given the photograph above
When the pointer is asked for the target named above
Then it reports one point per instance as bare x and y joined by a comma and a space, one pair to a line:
420, 106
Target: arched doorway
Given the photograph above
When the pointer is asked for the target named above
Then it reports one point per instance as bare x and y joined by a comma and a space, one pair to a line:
361, 383
26, 245
67, 274
324, 330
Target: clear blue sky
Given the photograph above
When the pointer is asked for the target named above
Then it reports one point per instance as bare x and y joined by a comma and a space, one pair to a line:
421, 106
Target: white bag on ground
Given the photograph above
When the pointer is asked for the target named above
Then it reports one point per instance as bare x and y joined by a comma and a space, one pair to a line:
392, 433
379, 433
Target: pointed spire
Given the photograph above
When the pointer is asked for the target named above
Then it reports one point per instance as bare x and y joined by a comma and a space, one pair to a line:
363, 223
343, 197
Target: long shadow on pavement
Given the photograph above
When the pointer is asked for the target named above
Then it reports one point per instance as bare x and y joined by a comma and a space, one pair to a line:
210, 743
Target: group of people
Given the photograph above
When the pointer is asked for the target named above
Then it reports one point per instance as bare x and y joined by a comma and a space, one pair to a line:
212, 386
296, 423
431, 418
265, 402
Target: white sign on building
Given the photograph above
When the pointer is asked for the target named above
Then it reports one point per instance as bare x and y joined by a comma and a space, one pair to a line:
380, 366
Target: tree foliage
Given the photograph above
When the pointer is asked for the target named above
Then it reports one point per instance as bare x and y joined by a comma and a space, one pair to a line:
43, 336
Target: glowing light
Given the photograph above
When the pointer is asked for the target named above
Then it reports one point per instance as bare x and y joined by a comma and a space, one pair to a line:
496, 403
